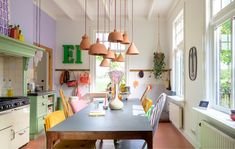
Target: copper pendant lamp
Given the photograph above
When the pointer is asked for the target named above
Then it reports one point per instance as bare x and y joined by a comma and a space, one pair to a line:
110, 54
85, 43
98, 48
116, 56
105, 63
125, 36
115, 36
120, 58
132, 50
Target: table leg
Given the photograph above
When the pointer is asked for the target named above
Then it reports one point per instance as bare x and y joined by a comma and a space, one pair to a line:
149, 141
50, 139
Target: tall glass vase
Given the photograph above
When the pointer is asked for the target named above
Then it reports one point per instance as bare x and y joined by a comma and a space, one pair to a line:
116, 104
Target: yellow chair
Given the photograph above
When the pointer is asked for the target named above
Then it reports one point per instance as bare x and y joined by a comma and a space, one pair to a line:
55, 118
66, 106
147, 103
147, 90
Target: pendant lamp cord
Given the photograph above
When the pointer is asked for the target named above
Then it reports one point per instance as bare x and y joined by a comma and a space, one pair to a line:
36, 21
98, 14
120, 15
125, 16
39, 22
104, 21
158, 42
132, 21
115, 13
85, 15
109, 20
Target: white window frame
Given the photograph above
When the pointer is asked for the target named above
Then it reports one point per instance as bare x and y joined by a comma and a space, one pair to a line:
177, 49
216, 20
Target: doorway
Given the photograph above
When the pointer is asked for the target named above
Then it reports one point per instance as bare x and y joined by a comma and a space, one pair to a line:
44, 70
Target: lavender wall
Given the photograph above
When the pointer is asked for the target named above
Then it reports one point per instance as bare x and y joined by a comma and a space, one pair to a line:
47, 29
23, 12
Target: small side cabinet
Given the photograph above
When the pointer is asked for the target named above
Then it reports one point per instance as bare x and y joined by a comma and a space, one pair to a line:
40, 106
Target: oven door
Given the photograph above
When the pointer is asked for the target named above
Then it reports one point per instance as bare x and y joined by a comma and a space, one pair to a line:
5, 137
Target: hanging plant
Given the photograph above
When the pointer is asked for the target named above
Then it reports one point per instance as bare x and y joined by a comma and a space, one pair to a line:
159, 64
158, 59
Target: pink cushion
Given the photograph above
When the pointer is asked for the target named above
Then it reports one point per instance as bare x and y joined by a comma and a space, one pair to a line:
77, 105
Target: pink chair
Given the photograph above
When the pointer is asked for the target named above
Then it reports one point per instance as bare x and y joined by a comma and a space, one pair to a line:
77, 105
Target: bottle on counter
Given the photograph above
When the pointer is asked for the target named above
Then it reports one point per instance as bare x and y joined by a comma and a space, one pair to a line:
21, 36
9, 89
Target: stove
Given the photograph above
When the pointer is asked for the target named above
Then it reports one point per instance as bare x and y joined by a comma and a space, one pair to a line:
7, 103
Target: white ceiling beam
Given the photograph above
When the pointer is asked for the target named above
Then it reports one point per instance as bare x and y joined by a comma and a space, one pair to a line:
83, 8
62, 5
151, 10
106, 8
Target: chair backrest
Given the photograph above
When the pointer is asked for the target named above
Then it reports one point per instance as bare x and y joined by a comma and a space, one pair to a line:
66, 106
156, 111
53, 119
145, 93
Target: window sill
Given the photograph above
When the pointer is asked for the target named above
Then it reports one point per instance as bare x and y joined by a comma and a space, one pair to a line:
218, 116
176, 100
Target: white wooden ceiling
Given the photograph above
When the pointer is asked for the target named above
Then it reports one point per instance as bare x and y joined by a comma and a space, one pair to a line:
74, 9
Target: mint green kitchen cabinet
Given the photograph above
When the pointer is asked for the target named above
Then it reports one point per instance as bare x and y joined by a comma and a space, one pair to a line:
40, 106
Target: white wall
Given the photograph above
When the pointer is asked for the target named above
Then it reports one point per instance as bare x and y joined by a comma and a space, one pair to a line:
194, 35
145, 38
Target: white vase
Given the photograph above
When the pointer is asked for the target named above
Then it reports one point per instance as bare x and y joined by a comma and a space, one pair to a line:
116, 104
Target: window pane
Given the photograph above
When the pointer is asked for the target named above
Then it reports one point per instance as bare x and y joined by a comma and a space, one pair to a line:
224, 50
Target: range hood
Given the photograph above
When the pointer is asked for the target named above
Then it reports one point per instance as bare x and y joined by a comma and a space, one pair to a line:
13, 47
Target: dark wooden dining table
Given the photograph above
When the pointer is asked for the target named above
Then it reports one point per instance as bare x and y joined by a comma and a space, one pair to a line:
115, 124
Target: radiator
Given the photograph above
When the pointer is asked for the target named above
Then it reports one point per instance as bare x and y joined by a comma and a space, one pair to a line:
176, 115
213, 138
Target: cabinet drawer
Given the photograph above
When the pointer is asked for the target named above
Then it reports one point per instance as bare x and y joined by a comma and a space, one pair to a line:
42, 109
42, 99
40, 124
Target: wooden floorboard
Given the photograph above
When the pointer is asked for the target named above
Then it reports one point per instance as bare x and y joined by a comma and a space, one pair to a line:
167, 137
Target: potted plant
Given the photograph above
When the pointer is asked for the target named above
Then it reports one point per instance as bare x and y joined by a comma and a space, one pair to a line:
158, 64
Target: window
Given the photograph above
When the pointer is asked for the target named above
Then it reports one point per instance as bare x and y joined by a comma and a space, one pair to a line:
178, 40
223, 73
101, 73
225, 64
219, 5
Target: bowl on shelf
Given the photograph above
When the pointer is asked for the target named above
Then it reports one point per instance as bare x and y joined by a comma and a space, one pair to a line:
232, 115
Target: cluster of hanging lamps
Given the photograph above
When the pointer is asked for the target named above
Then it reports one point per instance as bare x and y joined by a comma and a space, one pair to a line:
98, 49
